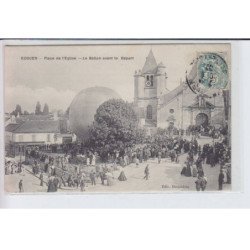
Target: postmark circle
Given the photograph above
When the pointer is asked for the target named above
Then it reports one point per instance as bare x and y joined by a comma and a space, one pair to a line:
212, 71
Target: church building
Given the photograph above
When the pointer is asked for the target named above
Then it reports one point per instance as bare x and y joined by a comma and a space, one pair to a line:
158, 106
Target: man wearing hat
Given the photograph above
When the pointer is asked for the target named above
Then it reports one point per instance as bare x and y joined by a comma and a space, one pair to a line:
221, 179
20, 185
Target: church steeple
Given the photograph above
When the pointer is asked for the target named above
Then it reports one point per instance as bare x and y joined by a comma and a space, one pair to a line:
150, 66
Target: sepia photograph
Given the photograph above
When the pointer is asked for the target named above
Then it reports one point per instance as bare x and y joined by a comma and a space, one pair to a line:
108, 118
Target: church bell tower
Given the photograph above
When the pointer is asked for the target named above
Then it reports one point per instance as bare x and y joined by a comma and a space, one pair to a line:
149, 85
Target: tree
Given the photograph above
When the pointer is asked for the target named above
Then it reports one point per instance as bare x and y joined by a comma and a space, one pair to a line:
115, 126
18, 110
46, 109
38, 109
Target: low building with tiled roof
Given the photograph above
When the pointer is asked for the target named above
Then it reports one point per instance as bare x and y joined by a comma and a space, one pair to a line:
39, 131
38, 126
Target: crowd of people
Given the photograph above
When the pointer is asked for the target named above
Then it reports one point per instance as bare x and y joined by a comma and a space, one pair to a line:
12, 167
81, 165
218, 154
207, 130
60, 171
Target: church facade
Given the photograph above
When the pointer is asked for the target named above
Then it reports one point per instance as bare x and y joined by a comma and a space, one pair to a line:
159, 107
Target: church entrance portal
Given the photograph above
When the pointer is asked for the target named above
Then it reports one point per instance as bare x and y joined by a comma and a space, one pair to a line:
201, 119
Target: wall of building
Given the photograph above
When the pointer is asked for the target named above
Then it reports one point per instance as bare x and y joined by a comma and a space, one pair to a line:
8, 137
187, 119
142, 108
139, 84
161, 83
218, 117
189, 98
172, 112
48, 138
150, 92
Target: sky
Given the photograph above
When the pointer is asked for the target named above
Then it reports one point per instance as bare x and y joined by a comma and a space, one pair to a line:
56, 82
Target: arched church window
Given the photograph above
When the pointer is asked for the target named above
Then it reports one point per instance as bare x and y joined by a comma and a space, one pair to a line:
152, 79
147, 78
149, 112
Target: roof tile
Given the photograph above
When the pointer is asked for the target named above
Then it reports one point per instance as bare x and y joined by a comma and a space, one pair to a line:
35, 126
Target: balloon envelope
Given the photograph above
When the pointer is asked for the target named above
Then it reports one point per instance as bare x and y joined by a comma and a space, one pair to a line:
84, 106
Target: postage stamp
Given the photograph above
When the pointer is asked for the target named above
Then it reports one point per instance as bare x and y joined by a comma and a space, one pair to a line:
107, 118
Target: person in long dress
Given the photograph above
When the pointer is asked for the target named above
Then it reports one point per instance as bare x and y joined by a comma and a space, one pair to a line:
194, 171
122, 176
110, 178
53, 170
146, 172
41, 179
20, 185
198, 183
221, 180
188, 170
82, 184
137, 162
200, 171
229, 174
184, 170
225, 174
92, 178
51, 184
56, 182
159, 157
88, 161
102, 176
203, 183
93, 160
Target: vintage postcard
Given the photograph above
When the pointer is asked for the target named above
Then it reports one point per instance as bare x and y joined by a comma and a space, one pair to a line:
107, 118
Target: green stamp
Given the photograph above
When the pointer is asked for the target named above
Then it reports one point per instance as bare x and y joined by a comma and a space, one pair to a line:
212, 71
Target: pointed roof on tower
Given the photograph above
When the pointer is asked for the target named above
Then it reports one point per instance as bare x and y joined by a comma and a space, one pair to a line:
150, 66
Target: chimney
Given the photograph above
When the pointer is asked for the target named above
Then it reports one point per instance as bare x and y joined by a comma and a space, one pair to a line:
12, 119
